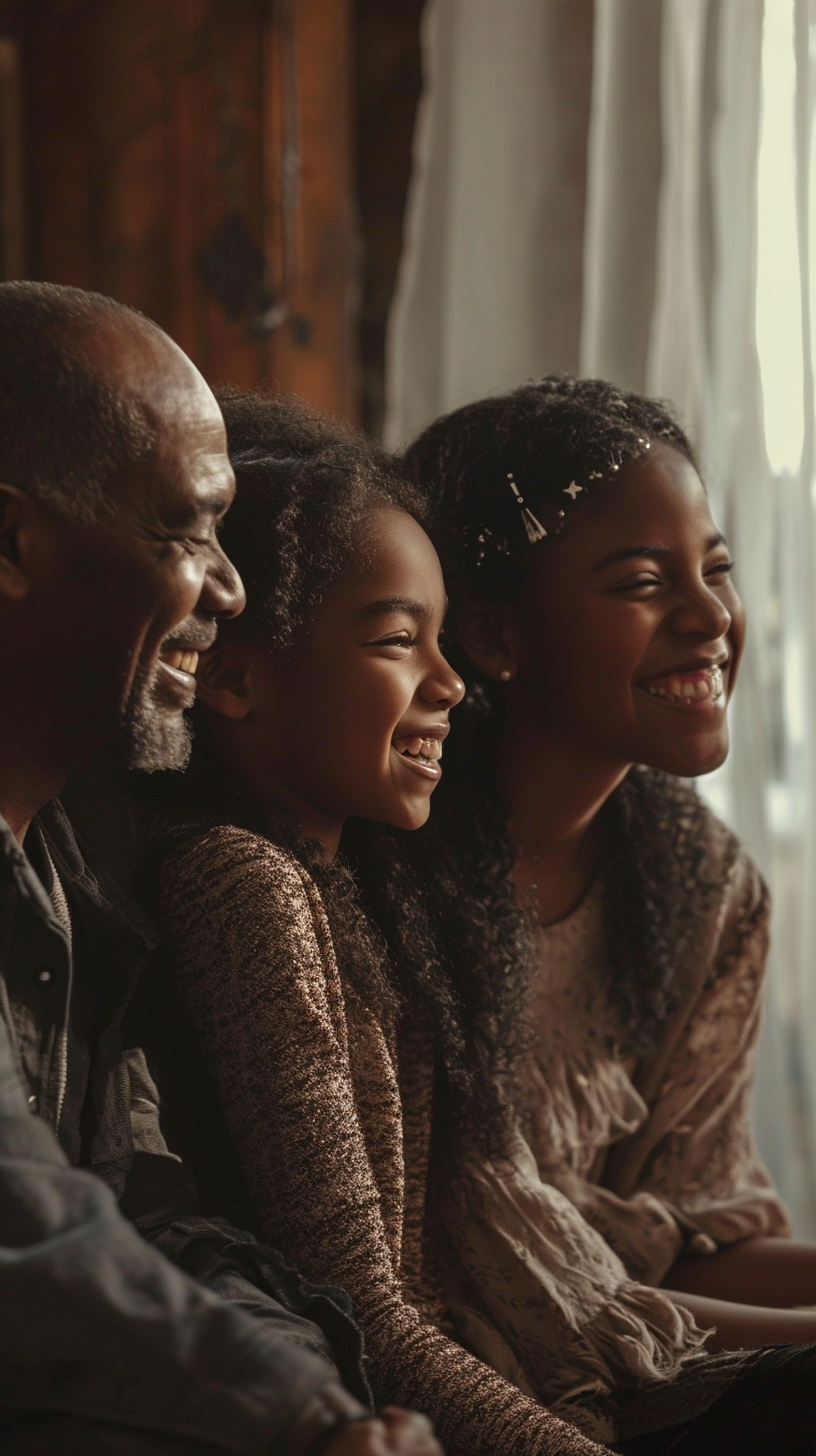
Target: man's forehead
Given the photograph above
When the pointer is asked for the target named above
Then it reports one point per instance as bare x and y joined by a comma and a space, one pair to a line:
184, 471
142, 362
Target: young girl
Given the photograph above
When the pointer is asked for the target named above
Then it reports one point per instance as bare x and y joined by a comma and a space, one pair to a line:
598, 628
330, 698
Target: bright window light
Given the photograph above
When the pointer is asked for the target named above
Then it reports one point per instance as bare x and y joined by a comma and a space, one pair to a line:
779, 295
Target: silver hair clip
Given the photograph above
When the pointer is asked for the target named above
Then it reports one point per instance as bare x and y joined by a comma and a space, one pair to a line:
535, 530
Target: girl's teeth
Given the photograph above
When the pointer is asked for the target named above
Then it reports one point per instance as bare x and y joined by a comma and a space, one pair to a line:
429, 748
690, 690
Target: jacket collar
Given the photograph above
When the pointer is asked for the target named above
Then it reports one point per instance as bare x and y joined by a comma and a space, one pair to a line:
122, 935
94, 886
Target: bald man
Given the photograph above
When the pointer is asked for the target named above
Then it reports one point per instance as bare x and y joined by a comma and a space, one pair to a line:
113, 479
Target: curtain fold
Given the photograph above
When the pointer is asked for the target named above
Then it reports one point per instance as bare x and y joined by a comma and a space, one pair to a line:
623, 192
489, 289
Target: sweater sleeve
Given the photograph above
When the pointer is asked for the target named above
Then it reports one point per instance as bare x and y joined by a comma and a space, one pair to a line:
257, 974
695, 1160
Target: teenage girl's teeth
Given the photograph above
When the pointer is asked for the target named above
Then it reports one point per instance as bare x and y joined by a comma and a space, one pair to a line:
689, 689
427, 748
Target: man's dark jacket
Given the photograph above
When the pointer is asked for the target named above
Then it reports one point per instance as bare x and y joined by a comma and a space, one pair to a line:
94, 1320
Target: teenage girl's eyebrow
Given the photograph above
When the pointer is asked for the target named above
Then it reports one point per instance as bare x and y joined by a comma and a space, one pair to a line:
388, 605
654, 548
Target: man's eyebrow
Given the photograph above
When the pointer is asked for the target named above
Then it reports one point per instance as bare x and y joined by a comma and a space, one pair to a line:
408, 605
215, 504
653, 548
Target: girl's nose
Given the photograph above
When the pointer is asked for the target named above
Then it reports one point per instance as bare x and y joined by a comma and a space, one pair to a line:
443, 687
703, 614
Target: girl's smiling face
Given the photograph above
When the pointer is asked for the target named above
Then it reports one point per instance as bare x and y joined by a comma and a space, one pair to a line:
352, 720
629, 631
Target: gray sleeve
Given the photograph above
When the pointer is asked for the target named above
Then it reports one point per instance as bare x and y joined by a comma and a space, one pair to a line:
95, 1322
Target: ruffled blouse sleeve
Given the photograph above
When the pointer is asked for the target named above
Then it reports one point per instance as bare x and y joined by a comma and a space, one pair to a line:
695, 1152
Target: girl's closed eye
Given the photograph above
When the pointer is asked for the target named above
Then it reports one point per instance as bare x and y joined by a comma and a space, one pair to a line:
638, 583
399, 640
721, 569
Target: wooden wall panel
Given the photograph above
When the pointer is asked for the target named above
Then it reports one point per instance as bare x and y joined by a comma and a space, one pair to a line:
317, 355
152, 145
388, 71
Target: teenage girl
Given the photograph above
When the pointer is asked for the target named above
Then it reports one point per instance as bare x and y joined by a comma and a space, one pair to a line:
312, 1109
598, 628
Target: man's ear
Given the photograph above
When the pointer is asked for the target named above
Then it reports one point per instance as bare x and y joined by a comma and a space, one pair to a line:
16, 511
487, 631
224, 679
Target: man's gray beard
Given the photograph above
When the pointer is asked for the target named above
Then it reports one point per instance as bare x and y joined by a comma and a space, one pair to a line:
155, 737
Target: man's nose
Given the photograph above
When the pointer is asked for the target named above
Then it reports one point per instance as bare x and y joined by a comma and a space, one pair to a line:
222, 593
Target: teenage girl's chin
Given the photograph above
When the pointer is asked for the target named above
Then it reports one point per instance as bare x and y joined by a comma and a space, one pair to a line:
687, 739
409, 810
409, 816
687, 755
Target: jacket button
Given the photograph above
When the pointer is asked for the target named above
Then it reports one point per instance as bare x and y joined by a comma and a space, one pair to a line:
34, 1102
44, 976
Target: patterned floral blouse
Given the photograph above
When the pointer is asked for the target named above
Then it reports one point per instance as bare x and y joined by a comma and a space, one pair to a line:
626, 1164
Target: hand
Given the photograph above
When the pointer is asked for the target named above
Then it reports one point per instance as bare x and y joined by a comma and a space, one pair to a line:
392, 1433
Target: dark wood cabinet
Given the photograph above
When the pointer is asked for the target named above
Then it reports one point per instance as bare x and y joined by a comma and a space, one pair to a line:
195, 158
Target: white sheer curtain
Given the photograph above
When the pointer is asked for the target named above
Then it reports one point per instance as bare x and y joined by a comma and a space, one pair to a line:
679, 263
490, 285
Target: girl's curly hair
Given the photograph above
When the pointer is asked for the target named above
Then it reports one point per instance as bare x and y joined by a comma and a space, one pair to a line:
560, 439
548, 435
305, 493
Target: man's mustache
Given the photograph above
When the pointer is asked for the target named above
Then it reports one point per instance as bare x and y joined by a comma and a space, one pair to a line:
197, 639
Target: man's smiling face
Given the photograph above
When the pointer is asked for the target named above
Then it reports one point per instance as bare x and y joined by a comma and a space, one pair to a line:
115, 613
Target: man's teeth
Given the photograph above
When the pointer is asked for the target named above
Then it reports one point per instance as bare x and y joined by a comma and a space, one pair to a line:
183, 661
427, 748
687, 690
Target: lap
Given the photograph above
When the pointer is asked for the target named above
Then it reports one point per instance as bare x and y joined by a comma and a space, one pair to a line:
770, 1406
46, 1434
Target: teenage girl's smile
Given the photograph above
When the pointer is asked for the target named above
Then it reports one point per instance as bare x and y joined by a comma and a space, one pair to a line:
627, 634
701, 687
352, 720
637, 630
421, 749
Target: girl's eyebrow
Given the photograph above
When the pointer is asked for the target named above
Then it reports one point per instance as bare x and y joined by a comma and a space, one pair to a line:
408, 605
654, 548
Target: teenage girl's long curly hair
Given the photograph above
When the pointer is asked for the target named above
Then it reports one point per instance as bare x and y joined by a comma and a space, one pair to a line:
549, 436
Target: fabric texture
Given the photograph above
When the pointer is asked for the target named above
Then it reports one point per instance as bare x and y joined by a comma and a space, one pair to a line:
653, 1155
768, 1407
94, 1323
701, 1184
489, 287
331, 1123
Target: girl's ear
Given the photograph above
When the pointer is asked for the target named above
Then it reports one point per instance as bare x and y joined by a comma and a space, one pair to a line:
224, 679
486, 630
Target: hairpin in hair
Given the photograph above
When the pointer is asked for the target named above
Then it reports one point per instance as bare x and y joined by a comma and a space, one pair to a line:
535, 530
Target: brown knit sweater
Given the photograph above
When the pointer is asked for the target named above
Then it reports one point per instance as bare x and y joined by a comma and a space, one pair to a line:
331, 1125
